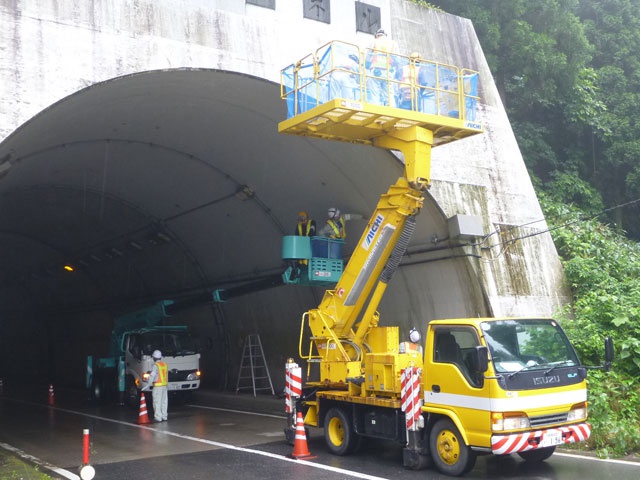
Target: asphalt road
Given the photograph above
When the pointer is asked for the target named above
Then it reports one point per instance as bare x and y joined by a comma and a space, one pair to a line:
215, 436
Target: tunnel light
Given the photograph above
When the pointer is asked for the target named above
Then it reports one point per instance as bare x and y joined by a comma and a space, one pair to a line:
68, 268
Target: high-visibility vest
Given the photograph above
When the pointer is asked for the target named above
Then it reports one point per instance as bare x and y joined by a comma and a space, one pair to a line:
308, 229
410, 347
410, 74
163, 375
408, 79
338, 228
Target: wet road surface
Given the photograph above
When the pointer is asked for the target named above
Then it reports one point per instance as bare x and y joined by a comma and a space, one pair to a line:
215, 436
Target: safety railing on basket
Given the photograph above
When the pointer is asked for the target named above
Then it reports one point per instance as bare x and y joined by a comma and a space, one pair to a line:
340, 70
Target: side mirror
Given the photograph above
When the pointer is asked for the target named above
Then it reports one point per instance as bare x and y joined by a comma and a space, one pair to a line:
608, 354
480, 359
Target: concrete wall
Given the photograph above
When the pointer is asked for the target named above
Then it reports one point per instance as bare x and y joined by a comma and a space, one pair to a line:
50, 49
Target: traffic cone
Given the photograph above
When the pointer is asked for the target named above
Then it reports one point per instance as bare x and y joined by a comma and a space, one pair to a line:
52, 396
300, 448
143, 416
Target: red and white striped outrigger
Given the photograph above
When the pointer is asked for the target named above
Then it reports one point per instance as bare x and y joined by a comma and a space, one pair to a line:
521, 442
292, 386
410, 398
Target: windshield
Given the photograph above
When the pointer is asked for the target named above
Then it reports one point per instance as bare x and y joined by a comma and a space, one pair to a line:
528, 345
170, 344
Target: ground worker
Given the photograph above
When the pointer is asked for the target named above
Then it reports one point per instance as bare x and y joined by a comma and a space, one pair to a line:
159, 379
412, 346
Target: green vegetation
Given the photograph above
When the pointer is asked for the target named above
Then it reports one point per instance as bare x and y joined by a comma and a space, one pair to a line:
13, 468
603, 270
568, 72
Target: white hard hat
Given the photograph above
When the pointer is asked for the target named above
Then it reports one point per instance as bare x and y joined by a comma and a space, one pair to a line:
414, 335
333, 211
157, 354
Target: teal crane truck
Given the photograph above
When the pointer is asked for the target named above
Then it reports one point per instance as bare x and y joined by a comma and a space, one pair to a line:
123, 373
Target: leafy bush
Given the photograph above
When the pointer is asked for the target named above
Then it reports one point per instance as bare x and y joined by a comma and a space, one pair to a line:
603, 271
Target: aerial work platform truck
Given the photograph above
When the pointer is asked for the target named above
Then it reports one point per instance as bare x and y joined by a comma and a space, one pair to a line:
476, 385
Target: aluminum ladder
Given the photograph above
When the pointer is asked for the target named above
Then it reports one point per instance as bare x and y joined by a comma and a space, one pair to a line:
253, 367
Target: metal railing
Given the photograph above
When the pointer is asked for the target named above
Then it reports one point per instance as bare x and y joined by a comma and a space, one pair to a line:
340, 70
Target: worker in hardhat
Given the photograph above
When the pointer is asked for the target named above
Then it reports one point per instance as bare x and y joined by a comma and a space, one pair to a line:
407, 77
344, 80
334, 227
413, 346
381, 64
159, 377
306, 227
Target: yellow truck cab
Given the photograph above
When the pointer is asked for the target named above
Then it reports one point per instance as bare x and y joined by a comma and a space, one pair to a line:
531, 397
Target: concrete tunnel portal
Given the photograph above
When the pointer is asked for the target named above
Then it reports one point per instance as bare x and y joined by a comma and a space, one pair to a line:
166, 185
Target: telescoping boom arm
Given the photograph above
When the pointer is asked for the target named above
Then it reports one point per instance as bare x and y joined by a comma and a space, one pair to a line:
436, 114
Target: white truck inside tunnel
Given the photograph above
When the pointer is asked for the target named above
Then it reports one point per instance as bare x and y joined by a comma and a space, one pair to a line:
168, 185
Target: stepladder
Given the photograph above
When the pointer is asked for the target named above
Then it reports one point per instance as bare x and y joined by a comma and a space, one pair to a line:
254, 372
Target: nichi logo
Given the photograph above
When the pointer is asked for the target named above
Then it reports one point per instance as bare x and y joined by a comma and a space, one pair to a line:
368, 239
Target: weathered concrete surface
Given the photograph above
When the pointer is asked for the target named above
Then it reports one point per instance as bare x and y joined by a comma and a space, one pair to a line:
133, 57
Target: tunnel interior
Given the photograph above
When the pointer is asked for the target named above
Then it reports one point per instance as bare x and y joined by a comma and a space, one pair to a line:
167, 185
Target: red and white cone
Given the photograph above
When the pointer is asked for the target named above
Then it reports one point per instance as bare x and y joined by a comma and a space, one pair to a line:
143, 416
52, 396
300, 448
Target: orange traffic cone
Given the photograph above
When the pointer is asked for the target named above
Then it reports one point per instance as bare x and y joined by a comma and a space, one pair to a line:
143, 416
52, 397
300, 448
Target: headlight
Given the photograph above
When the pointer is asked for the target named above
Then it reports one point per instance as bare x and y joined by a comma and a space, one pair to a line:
509, 421
194, 376
578, 412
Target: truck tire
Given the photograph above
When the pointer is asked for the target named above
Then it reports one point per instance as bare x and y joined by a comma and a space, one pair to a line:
131, 393
450, 454
98, 388
338, 432
538, 455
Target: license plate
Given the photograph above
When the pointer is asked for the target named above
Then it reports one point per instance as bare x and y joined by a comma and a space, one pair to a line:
552, 438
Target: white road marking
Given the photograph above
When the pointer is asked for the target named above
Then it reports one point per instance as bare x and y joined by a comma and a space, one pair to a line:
606, 460
237, 411
274, 456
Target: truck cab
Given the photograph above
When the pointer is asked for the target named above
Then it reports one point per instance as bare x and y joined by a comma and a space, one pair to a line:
531, 397
122, 374
179, 352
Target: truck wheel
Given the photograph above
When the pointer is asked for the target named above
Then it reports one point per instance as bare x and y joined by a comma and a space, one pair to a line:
538, 455
449, 452
98, 388
338, 432
131, 393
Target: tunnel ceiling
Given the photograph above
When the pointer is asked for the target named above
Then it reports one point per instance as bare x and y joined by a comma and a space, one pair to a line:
163, 184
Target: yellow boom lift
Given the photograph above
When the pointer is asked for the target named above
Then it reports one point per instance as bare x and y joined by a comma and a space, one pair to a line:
457, 400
